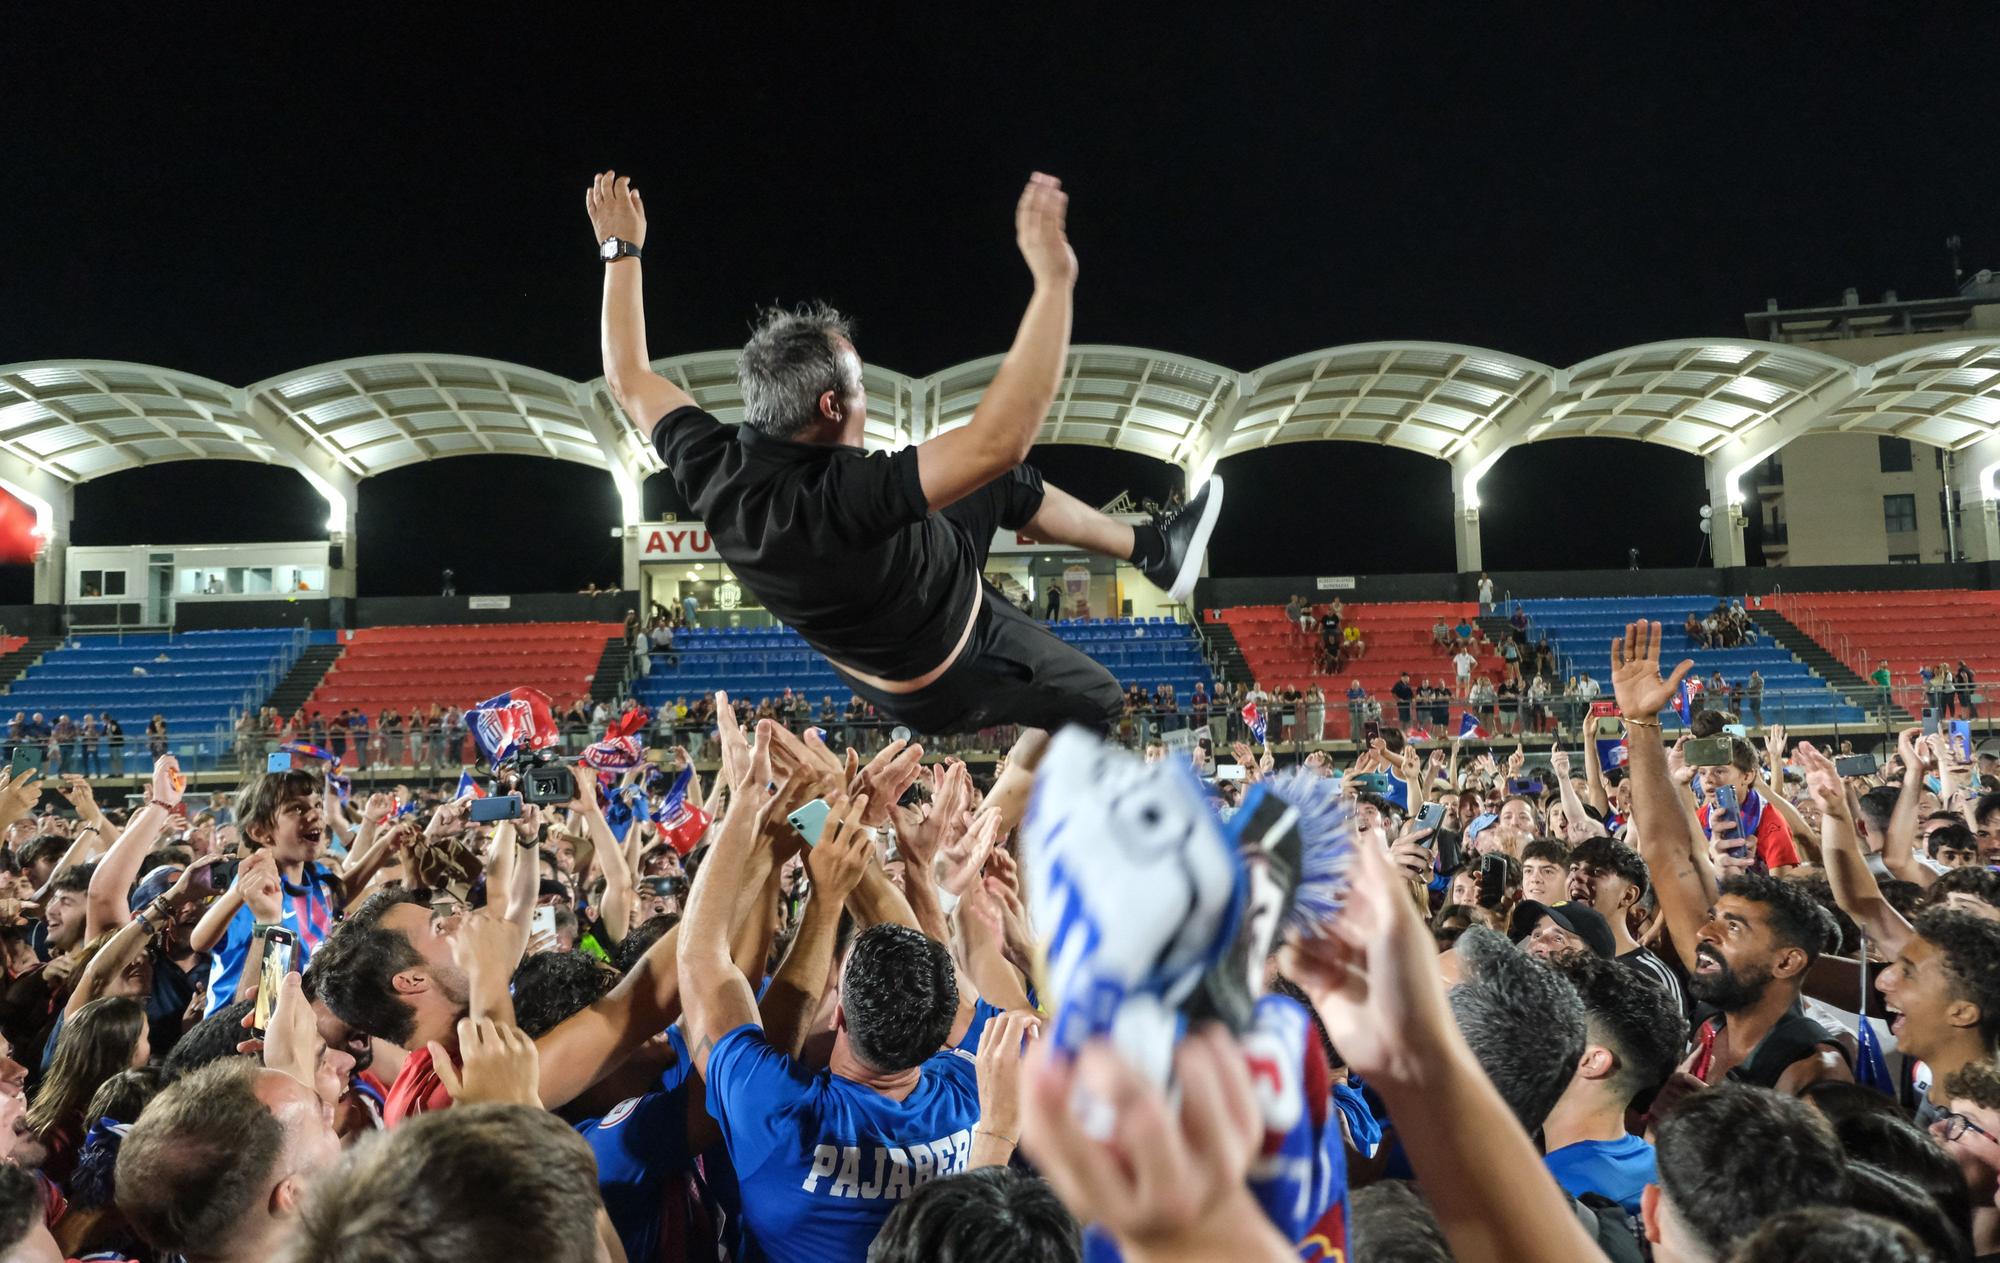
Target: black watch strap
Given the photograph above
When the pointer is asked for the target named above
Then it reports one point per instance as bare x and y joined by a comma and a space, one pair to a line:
616, 248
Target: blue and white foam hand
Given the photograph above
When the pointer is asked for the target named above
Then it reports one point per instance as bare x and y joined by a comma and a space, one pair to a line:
1138, 890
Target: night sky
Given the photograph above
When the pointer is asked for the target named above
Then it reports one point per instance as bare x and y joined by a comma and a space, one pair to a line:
238, 192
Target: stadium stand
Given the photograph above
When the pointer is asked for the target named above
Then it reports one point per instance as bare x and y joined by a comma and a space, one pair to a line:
1582, 628
403, 668
1398, 636
1913, 630
757, 663
198, 681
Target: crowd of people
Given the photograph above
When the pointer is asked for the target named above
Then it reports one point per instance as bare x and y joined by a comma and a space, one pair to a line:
1646, 999
1727, 626
93, 745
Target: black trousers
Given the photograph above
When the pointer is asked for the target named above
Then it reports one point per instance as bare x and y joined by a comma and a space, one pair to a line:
1013, 670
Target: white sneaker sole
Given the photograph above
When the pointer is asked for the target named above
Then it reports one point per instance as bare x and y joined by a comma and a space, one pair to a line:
1197, 552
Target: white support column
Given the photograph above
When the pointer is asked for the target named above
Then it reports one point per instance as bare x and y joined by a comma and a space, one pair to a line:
1465, 521
629, 575
1976, 481
337, 483
618, 444
1725, 524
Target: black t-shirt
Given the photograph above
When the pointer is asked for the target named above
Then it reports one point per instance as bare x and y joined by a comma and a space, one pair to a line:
1403, 691
836, 542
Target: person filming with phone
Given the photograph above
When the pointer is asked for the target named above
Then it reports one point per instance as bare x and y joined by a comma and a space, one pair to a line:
1747, 836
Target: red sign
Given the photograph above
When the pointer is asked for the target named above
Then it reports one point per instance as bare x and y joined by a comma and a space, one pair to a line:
672, 542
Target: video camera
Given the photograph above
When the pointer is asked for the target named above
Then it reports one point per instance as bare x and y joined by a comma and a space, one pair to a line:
541, 777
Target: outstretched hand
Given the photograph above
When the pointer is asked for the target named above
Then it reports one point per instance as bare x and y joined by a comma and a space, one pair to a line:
615, 209
1635, 672
1040, 229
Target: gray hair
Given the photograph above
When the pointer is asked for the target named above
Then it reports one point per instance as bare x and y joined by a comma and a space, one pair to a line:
1390, 1222
1523, 1020
792, 359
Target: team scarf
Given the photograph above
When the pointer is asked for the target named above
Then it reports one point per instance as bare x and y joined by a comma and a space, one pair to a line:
311, 907
342, 785
621, 748
517, 720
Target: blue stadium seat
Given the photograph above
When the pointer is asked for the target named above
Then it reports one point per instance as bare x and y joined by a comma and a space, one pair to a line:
198, 681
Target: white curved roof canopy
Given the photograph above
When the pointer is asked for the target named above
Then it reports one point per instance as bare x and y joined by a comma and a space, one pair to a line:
1428, 397
378, 413
1693, 395
73, 420
1947, 395
1150, 402
79, 419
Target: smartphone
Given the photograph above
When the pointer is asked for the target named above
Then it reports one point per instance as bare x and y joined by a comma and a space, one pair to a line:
504, 807
544, 921
1229, 772
282, 761
810, 820
1371, 783
1371, 730
1857, 765
1930, 723
1492, 879
1737, 730
215, 878
1710, 751
1430, 818
27, 758
1725, 820
1961, 738
279, 947
1524, 787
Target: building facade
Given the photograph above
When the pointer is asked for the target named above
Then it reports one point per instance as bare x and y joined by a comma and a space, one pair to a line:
1860, 499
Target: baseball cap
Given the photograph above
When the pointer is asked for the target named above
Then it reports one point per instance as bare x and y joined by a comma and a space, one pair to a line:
1580, 919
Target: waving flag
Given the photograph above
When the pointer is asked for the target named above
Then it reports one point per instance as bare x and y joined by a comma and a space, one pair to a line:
519, 719
621, 748
1468, 726
682, 822
467, 787
1612, 752
1686, 700
1255, 718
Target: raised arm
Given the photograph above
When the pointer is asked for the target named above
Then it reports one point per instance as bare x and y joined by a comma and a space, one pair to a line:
1854, 887
1899, 838
836, 865
104, 904
715, 996
1666, 840
616, 211
1009, 416
620, 880
1375, 982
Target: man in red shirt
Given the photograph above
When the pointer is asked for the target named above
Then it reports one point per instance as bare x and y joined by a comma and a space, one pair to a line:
1775, 853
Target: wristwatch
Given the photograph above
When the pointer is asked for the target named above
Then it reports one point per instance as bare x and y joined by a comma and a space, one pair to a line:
616, 248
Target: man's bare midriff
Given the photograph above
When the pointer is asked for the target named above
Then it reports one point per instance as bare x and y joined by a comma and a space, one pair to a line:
931, 676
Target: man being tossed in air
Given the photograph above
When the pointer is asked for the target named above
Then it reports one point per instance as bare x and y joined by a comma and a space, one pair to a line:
876, 558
